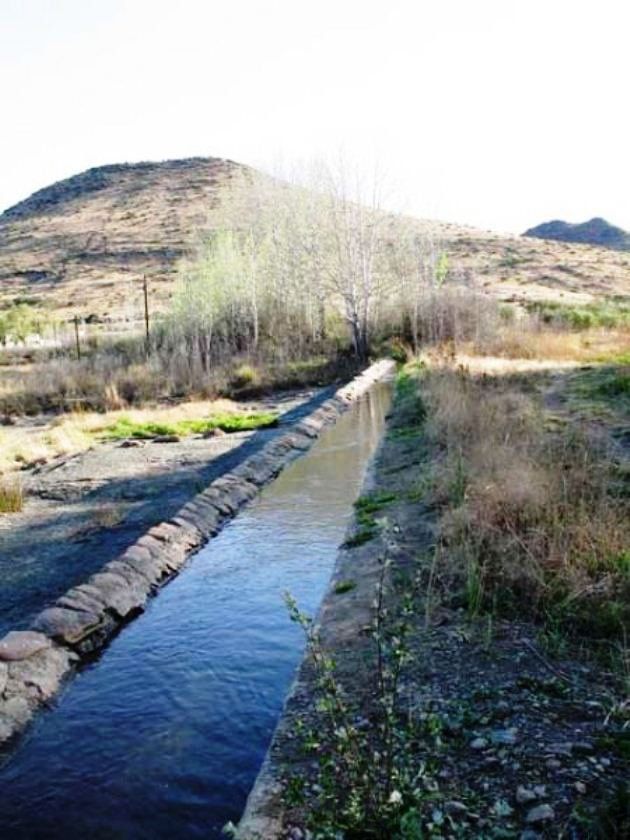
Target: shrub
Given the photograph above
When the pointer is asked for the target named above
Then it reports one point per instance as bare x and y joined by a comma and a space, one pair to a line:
244, 376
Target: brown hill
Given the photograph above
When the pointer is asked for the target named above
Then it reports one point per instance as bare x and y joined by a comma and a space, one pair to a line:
82, 245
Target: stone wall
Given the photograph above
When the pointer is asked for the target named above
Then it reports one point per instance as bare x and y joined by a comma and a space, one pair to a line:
34, 662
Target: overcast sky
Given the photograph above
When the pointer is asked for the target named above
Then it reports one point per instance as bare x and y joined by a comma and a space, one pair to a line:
496, 114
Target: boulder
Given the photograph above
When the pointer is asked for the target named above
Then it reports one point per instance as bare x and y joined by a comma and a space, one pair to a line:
66, 625
78, 599
14, 714
20, 644
38, 677
121, 597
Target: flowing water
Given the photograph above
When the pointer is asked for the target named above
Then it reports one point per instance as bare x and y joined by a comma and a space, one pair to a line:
163, 736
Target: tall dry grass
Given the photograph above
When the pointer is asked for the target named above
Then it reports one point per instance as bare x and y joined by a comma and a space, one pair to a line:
530, 338
11, 496
532, 521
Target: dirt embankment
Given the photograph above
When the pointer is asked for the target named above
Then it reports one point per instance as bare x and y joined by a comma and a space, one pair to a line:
507, 740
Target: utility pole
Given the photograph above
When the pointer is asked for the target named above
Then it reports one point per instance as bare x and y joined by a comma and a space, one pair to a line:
145, 287
76, 336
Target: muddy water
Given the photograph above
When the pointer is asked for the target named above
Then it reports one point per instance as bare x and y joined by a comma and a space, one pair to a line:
163, 736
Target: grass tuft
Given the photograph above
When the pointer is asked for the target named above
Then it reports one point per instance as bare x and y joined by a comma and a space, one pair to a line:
11, 496
344, 586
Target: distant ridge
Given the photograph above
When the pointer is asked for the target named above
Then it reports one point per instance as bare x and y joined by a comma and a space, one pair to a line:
82, 246
596, 231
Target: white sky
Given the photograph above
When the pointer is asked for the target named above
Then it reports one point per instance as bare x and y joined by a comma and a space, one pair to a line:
497, 114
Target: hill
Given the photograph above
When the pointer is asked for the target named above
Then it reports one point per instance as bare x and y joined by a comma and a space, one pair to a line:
594, 232
83, 244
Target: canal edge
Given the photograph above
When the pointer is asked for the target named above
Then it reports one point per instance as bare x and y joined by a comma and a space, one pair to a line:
263, 815
35, 663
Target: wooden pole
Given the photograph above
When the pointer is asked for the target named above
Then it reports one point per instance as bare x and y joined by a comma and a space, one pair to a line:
76, 336
145, 287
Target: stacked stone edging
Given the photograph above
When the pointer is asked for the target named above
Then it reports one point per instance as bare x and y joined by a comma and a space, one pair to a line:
34, 662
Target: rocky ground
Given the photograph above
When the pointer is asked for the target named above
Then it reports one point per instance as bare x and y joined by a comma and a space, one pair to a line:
82, 511
508, 740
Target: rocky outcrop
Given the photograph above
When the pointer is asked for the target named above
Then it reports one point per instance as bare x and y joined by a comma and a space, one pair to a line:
33, 663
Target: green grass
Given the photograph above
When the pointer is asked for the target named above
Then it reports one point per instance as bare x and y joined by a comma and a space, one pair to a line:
125, 428
362, 536
373, 502
344, 586
608, 313
609, 384
411, 411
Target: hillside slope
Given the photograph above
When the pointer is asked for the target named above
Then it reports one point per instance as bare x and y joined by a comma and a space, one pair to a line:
594, 232
83, 245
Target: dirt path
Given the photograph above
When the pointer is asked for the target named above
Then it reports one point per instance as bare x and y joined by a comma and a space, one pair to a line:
82, 511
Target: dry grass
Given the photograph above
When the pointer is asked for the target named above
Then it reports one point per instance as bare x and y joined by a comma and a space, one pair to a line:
531, 521
11, 497
528, 339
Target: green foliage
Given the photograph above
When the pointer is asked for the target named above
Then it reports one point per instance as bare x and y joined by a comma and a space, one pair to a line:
20, 321
398, 351
125, 428
367, 783
607, 384
344, 586
411, 411
608, 313
244, 376
441, 269
363, 535
373, 502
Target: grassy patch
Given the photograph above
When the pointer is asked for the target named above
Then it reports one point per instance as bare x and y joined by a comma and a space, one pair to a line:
125, 428
344, 586
607, 386
11, 497
373, 502
360, 537
410, 408
605, 314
